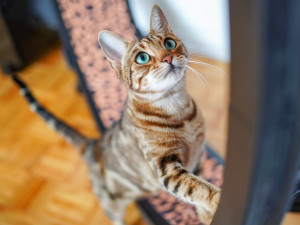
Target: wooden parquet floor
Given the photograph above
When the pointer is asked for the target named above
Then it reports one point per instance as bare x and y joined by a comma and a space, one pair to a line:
43, 181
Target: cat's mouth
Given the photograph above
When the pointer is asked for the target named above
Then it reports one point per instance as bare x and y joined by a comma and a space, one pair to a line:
173, 68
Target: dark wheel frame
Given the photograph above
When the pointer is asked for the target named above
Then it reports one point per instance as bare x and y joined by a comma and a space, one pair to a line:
264, 129
264, 125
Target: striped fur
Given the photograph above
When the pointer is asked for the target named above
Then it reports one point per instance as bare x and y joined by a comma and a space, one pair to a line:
67, 132
159, 140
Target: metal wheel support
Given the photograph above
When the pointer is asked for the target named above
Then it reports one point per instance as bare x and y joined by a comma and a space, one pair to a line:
264, 125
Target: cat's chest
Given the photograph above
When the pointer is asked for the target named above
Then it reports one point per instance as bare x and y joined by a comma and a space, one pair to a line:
194, 129
193, 135
186, 134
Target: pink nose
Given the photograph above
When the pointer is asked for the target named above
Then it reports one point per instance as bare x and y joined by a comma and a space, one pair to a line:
167, 58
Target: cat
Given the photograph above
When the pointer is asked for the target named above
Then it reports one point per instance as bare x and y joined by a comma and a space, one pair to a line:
159, 139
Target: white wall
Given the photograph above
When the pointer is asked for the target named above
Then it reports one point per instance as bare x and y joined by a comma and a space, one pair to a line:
203, 25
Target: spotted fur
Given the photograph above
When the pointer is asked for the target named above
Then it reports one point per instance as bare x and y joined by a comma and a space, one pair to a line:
159, 140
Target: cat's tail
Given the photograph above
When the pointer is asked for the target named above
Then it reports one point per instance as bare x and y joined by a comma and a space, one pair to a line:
67, 132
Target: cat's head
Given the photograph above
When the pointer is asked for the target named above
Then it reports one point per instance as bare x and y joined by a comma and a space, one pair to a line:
155, 63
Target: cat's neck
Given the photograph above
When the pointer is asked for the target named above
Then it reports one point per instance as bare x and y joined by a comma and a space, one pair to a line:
171, 101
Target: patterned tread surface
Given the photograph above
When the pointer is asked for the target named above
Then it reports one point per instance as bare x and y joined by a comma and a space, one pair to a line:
42, 179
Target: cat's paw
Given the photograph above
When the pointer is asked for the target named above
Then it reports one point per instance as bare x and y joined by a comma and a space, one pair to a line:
207, 211
205, 215
215, 201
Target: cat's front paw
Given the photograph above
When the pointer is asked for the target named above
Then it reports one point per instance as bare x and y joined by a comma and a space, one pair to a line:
207, 211
205, 215
215, 201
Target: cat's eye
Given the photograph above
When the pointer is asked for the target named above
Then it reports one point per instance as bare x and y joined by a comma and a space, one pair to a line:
142, 58
170, 44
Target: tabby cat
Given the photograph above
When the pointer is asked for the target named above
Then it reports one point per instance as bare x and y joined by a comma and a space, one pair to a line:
158, 142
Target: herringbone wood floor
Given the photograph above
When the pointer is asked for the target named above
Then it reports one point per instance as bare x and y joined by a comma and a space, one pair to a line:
42, 179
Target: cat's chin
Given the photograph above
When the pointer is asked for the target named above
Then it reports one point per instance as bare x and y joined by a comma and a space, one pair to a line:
174, 69
175, 74
175, 82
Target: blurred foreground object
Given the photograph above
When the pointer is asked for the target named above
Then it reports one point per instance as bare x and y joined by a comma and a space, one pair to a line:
23, 33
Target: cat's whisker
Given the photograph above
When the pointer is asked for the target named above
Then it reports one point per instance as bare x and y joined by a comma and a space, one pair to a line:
187, 55
201, 77
208, 65
191, 52
195, 52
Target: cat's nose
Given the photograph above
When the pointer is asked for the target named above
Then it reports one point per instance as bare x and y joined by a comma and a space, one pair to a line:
167, 58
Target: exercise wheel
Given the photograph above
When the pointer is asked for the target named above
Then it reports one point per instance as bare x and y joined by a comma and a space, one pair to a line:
263, 151
264, 124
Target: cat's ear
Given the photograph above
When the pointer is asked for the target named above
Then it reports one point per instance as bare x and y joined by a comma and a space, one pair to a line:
158, 21
113, 47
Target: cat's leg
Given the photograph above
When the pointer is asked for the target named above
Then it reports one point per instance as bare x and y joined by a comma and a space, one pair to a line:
198, 171
205, 215
185, 185
116, 213
114, 207
113, 204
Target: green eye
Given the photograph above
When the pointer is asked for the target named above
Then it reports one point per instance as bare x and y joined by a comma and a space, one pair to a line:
170, 44
142, 58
